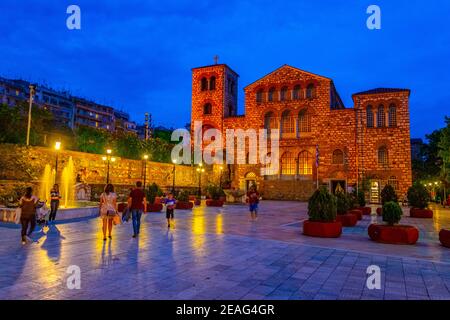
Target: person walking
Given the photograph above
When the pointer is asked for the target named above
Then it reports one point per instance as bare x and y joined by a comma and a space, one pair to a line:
28, 203
170, 208
108, 209
54, 203
253, 200
137, 203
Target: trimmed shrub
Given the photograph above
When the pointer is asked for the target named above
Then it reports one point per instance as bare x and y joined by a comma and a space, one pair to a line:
183, 196
361, 199
322, 206
418, 196
388, 194
343, 203
392, 212
215, 192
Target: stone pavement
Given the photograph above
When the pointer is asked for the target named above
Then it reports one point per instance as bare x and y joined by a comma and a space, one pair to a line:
217, 253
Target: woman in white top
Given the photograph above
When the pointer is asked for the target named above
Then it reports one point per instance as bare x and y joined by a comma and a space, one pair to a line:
108, 209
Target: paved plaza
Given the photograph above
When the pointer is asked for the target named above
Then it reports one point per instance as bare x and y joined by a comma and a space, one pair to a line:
217, 253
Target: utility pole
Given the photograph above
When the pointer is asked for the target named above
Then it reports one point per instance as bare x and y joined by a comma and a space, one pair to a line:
32, 93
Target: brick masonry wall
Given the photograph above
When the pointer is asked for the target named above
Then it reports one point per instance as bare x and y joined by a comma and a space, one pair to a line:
331, 129
26, 165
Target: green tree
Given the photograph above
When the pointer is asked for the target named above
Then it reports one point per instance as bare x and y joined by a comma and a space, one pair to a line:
92, 140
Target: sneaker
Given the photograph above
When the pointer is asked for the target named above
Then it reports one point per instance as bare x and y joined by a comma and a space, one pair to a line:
134, 236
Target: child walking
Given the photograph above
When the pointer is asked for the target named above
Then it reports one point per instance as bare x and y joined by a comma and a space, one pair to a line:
253, 200
170, 207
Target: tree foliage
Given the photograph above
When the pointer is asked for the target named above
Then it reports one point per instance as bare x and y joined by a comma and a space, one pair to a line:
322, 206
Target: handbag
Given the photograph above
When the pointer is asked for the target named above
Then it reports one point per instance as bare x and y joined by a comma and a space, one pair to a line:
116, 219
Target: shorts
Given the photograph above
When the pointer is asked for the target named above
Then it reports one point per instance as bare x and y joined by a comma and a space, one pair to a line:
169, 214
253, 207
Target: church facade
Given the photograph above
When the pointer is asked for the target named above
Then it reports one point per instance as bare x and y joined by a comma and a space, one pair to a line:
321, 141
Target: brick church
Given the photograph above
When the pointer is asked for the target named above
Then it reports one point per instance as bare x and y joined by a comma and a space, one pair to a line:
368, 143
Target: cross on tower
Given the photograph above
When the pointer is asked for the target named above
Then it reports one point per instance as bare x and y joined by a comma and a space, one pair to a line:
216, 59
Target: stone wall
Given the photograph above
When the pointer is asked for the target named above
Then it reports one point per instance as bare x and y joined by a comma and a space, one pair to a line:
20, 165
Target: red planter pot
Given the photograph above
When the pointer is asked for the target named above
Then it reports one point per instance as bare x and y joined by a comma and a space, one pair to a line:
214, 203
444, 238
380, 211
322, 229
192, 198
357, 212
347, 220
399, 234
157, 200
420, 213
366, 210
184, 205
121, 206
156, 207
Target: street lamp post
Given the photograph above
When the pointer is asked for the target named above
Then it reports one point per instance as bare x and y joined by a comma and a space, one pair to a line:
108, 158
174, 161
32, 93
200, 170
57, 148
220, 176
145, 169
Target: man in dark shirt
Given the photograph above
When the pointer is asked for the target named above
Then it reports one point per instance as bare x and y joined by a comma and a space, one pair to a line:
137, 203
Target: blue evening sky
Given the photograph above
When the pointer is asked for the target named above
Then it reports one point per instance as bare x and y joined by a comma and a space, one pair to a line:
138, 55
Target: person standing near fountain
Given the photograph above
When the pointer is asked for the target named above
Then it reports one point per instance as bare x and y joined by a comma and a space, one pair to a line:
137, 204
28, 204
108, 209
54, 203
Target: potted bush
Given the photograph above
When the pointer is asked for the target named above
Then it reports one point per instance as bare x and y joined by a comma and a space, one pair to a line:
322, 216
361, 198
387, 195
390, 232
183, 201
444, 237
343, 204
215, 194
418, 198
152, 193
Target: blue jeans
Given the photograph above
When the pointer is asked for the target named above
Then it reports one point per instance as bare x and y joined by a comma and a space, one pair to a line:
136, 216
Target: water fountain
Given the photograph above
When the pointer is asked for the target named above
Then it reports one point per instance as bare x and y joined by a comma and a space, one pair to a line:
47, 181
67, 185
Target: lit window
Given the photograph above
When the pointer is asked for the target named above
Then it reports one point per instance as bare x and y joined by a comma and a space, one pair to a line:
288, 164
393, 182
305, 163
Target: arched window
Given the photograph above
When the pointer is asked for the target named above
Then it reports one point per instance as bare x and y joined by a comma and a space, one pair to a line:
270, 122
204, 84
207, 108
304, 123
288, 164
392, 115
269, 167
212, 83
393, 182
310, 91
338, 157
284, 94
369, 112
296, 93
381, 117
287, 125
260, 96
272, 95
382, 156
305, 163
